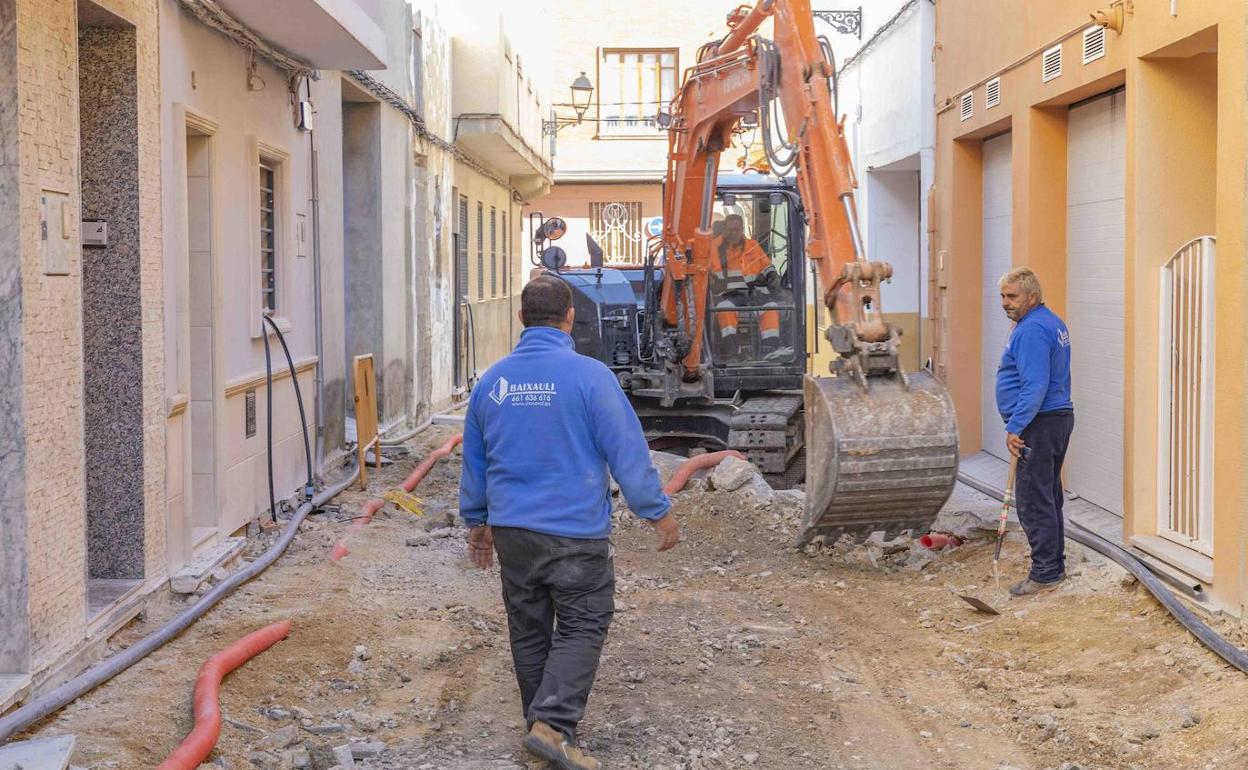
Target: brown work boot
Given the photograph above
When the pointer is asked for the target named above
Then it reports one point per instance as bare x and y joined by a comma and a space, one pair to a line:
1028, 586
548, 743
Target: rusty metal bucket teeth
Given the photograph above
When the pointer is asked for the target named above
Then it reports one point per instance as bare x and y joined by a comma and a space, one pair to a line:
884, 458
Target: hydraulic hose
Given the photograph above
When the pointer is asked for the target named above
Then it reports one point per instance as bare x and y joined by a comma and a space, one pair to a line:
268, 422
303, 417
105, 670
694, 464
198, 744
1198, 628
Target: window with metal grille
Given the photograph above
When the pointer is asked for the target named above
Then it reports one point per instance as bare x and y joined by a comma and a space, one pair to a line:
506, 262
268, 237
480, 250
635, 83
616, 226
967, 105
493, 251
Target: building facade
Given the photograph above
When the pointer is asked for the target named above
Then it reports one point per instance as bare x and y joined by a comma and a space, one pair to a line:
176, 171
82, 474
1109, 158
885, 87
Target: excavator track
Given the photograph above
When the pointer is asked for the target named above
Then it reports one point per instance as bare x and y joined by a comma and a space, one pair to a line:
770, 431
884, 457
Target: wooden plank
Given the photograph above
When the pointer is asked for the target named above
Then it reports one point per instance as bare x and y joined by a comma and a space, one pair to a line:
365, 413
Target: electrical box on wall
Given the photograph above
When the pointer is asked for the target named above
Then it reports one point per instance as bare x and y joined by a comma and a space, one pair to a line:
301, 235
94, 233
56, 232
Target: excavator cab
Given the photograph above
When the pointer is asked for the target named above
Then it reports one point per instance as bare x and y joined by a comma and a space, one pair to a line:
756, 325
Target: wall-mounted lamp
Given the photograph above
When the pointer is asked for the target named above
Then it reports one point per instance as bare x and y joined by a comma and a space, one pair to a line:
582, 92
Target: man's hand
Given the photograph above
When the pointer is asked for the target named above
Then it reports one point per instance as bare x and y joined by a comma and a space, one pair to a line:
667, 530
1014, 443
481, 546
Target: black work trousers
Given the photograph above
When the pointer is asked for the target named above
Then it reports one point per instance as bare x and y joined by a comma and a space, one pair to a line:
1038, 492
560, 598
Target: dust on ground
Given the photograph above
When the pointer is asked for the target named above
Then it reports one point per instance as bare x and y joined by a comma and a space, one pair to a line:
731, 651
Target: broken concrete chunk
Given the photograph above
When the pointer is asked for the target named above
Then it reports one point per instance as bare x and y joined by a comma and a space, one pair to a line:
280, 739
343, 756
366, 750
732, 473
756, 491
50, 753
415, 541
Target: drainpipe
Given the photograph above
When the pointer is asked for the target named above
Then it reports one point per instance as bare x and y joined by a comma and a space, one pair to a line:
316, 296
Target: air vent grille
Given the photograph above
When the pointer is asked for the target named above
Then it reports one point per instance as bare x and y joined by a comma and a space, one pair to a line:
992, 93
1051, 63
1093, 44
967, 104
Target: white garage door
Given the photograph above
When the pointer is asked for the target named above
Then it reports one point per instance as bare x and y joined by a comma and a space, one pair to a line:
998, 219
1095, 232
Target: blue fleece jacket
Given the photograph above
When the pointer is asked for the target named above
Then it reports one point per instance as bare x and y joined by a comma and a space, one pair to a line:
1034, 375
542, 428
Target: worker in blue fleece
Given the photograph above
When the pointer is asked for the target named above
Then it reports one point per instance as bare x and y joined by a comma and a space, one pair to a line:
542, 430
1033, 397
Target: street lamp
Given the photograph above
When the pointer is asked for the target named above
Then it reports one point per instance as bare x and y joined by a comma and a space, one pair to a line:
582, 92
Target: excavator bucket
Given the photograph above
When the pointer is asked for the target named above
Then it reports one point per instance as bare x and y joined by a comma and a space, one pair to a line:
880, 458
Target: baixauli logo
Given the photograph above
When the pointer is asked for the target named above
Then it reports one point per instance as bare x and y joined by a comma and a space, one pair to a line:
504, 390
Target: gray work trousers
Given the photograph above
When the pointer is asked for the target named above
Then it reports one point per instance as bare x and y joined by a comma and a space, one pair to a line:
560, 598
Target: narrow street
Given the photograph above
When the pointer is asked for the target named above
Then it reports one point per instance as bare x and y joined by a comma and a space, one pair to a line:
732, 651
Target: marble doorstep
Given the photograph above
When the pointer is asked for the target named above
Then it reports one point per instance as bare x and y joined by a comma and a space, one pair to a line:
189, 578
13, 690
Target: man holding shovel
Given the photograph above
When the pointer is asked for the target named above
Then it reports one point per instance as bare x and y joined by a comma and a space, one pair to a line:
1033, 397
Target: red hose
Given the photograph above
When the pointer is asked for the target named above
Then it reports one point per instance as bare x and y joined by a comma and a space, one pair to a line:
694, 464
196, 747
372, 506
936, 540
421, 470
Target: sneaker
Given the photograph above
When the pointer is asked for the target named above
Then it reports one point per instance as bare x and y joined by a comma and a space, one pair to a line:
548, 743
1028, 586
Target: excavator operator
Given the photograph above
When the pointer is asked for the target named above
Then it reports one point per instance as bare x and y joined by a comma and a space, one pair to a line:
744, 277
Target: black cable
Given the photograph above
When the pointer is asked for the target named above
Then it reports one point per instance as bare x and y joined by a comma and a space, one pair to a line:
268, 423
1084, 536
303, 418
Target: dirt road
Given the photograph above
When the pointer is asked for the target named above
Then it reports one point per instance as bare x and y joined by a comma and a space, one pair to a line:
732, 651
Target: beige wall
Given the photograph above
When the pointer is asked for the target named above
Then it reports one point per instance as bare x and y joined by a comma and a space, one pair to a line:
212, 256
493, 312
1185, 78
52, 310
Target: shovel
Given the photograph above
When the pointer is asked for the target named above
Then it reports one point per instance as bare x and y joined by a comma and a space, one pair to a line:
1006, 503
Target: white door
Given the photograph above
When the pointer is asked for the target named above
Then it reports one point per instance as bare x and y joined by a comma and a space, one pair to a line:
1095, 238
998, 224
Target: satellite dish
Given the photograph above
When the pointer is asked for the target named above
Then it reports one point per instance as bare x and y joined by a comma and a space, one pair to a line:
554, 258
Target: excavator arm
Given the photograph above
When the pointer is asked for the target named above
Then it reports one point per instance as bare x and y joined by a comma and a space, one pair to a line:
741, 75
881, 445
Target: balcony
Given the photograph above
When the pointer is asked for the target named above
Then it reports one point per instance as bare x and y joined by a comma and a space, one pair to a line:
328, 34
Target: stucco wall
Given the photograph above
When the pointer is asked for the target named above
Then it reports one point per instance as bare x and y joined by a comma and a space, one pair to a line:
1177, 187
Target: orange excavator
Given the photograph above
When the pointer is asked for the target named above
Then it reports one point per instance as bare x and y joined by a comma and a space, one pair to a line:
709, 336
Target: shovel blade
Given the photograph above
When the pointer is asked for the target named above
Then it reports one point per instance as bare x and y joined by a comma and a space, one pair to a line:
978, 604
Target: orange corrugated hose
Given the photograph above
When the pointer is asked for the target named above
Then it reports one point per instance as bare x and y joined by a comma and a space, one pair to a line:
197, 745
372, 506
694, 464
